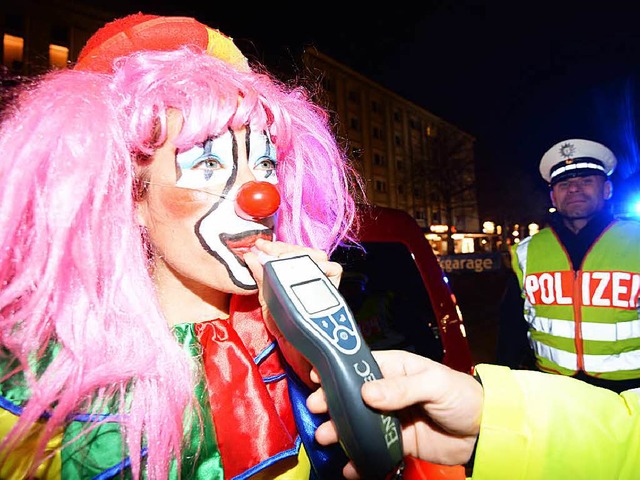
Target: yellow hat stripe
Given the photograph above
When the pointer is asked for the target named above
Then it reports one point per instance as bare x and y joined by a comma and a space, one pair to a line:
222, 47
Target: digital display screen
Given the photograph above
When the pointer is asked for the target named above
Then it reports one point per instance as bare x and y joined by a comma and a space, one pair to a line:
315, 296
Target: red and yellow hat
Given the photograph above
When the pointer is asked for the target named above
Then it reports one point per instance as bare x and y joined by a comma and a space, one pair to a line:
139, 31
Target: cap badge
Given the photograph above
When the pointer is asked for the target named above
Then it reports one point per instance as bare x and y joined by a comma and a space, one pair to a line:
567, 150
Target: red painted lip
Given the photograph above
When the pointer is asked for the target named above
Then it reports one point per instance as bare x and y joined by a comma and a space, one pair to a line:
241, 245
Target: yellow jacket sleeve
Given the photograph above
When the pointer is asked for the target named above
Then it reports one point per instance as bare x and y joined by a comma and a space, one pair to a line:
543, 426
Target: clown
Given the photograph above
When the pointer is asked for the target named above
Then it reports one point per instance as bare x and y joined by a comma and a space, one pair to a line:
138, 190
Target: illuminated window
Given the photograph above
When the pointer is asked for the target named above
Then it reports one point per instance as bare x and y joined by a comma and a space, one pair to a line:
430, 131
13, 48
466, 245
58, 56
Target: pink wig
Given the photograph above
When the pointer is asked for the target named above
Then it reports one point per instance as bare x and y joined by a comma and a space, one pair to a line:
73, 268
213, 96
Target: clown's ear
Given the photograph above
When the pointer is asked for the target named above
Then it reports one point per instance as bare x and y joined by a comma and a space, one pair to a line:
142, 213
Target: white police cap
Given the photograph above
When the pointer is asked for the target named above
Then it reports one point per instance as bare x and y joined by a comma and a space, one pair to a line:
576, 158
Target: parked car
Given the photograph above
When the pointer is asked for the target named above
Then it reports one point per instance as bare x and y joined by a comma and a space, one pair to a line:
398, 293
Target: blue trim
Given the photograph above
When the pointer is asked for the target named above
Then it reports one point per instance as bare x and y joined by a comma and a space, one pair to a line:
274, 378
270, 461
265, 353
10, 406
262, 356
96, 417
17, 410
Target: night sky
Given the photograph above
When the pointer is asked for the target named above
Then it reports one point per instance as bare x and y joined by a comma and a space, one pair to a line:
518, 76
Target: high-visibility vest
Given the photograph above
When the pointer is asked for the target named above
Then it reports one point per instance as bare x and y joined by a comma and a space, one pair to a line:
586, 319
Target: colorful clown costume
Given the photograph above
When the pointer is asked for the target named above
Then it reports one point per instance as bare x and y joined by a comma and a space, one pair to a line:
251, 410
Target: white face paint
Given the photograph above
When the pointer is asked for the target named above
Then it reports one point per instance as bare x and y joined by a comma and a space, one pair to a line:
195, 227
223, 165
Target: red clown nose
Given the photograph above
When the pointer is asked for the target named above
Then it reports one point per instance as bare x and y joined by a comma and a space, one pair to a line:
257, 200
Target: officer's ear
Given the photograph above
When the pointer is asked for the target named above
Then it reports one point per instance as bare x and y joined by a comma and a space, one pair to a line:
553, 200
608, 190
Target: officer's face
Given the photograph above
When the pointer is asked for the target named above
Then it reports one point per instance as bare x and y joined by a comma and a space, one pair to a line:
581, 197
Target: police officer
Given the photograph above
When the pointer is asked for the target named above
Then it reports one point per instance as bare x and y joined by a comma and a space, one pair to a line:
577, 280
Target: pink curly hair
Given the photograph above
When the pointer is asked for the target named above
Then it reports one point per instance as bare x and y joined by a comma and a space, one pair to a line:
73, 268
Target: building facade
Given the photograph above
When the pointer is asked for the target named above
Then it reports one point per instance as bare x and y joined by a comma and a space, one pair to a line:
409, 158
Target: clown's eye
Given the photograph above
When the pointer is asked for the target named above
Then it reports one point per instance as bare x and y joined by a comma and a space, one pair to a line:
208, 163
265, 163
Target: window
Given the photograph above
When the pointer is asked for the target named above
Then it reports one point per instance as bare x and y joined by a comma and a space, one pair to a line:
327, 84
354, 123
397, 117
379, 159
58, 49
380, 186
13, 43
58, 56
399, 165
386, 293
430, 131
400, 189
377, 132
354, 96
397, 139
13, 52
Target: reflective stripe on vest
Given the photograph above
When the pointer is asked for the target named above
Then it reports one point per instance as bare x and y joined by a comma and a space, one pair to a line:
607, 332
592, 363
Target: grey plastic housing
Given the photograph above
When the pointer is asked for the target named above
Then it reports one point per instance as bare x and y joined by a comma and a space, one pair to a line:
314, 317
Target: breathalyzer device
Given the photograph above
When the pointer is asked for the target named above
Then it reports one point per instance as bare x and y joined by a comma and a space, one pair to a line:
315, 318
